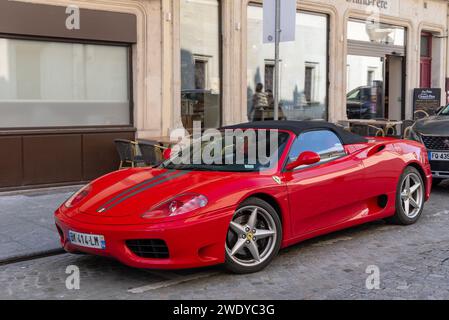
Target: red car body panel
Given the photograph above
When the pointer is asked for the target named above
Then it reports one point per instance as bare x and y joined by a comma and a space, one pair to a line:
313, 201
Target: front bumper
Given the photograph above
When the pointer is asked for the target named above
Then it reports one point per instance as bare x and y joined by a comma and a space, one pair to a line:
192, 243
440, 174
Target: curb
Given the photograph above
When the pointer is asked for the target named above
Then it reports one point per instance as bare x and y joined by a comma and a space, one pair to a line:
41, 191
32, 256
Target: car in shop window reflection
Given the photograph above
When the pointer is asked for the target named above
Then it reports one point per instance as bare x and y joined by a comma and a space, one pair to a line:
358, 103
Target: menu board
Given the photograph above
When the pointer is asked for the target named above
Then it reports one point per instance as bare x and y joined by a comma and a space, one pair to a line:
427, 99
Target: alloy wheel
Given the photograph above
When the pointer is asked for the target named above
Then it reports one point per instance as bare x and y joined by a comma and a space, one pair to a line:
412, 195
251, 236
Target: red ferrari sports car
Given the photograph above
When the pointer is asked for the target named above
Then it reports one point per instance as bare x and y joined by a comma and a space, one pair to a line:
320, 179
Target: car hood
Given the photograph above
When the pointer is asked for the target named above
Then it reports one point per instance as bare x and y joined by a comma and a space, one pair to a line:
135, 191
435, 125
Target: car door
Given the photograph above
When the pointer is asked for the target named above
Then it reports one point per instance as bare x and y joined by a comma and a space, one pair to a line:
382, 169
326, 193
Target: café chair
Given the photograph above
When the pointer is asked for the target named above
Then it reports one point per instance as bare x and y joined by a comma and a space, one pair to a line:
379, 132
367, 130
128, 153
406, 127
151, 152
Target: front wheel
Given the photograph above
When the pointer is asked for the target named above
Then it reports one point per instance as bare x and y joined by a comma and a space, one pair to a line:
254, 237
410, 196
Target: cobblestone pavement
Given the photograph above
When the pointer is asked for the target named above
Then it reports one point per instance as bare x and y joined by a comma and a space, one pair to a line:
413, 263
26, 221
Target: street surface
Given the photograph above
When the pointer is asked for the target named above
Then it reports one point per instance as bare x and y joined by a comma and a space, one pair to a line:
412, 263
27, 225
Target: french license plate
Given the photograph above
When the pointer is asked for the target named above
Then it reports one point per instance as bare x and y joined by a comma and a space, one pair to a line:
439, 156
87, 240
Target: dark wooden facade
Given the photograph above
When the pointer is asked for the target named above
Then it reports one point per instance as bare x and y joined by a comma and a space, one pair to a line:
46, 157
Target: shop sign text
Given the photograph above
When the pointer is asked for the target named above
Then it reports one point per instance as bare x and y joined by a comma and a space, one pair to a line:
381, 4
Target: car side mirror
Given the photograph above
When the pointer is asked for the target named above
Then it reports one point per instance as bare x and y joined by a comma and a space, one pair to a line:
305, 158
166, 155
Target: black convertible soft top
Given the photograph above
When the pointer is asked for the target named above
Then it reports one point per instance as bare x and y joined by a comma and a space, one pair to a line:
297, 127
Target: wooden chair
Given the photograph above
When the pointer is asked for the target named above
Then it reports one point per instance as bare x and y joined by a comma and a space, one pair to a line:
406, 127
391, 131
388, 131
128, 153
379, 132
365, 130
151, 152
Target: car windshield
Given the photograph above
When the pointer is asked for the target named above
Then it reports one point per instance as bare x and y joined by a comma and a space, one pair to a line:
445, 111
230, 150
353, 95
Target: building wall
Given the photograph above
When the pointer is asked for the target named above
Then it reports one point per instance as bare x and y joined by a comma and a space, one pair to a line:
156, 67
62, 90
86, 152
411, 14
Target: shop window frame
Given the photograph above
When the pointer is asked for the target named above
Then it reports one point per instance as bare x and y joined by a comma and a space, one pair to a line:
402, 51
178, 73
328, 57
130, 87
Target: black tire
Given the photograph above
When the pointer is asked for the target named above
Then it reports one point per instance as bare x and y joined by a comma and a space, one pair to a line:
400, 217
436, 181
275, 244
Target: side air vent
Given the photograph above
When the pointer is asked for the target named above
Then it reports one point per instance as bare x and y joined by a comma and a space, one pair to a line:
376, 149
382, 201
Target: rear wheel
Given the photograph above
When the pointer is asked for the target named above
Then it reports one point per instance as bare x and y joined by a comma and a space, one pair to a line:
409, 197
254, 237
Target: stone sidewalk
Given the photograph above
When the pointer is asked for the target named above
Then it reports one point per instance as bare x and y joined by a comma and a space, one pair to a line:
26, 221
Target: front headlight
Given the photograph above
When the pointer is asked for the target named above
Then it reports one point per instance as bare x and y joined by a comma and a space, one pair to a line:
181, 204
78, 196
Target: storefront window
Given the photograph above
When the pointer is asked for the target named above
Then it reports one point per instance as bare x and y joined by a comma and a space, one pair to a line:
303, 69
376, 32
53, 84
200, 63
376, 55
